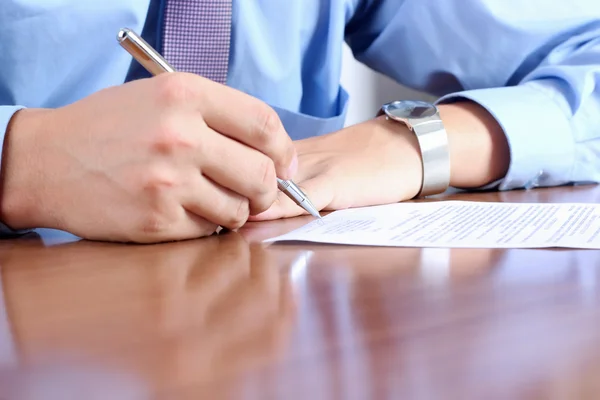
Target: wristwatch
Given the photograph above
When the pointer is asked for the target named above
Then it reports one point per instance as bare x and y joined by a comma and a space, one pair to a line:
423, 119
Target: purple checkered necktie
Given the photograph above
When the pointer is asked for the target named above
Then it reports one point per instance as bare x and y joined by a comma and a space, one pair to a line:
196, 37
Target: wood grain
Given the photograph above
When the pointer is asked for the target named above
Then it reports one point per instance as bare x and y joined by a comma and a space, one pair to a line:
225, 317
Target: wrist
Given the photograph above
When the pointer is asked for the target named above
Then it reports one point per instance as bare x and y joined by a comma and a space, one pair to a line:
404, 146
479, 152
423, 120
19, 204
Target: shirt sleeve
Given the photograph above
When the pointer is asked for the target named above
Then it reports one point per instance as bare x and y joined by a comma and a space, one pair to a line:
6, 113
534, 65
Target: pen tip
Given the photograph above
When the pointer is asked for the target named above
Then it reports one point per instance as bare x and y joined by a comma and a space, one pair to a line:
309, 206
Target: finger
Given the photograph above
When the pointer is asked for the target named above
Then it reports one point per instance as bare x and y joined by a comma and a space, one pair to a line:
191, 227
249, 121
188, 226
211, 201
241, 169
317, 189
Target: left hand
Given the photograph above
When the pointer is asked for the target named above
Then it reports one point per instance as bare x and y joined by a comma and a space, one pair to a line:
376, 162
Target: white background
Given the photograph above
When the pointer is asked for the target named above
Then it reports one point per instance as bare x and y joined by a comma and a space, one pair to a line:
369, 90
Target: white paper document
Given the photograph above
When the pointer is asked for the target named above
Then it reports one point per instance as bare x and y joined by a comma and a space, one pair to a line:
458, 224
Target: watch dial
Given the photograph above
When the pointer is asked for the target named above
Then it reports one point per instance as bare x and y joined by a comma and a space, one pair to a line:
411, 109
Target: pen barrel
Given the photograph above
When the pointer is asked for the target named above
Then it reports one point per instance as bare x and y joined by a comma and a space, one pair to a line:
143, 53
290, 190
153, 68
282, 185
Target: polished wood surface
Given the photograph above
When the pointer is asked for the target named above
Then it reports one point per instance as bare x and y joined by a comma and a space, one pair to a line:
226, 317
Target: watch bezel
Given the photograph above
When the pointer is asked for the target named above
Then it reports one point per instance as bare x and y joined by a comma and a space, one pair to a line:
390, 107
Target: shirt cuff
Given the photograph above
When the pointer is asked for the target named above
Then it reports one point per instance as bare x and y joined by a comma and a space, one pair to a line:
537, 130
6, 113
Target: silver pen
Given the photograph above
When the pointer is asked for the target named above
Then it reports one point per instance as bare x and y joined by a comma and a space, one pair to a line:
154, 63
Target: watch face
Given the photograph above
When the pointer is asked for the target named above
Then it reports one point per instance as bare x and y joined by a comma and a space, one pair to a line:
410, 109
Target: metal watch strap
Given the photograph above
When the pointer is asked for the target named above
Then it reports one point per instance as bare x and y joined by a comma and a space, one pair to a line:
433, 143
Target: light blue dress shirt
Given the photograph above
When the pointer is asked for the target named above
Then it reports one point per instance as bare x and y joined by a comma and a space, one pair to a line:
534, 64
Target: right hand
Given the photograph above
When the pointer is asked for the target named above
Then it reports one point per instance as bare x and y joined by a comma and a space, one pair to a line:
159, 159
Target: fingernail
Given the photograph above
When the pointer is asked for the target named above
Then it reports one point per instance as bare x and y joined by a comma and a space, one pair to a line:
293, 167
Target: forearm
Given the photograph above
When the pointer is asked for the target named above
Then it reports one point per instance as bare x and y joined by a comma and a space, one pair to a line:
539, 82
479, 151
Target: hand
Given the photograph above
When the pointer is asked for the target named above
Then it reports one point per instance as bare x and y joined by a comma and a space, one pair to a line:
152, 160
376, 162
379, 162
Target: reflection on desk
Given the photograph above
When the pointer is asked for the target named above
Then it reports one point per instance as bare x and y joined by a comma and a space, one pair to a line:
226, 317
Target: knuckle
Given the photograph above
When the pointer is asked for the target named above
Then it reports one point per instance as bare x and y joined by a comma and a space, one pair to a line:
262, 204
156, 183
154, 224
239, 214
265, 193
173, 89
268, 127
160, 226
267, 174
171, 138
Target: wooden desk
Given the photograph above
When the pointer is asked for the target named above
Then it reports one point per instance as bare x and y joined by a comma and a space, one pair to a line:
223, 317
